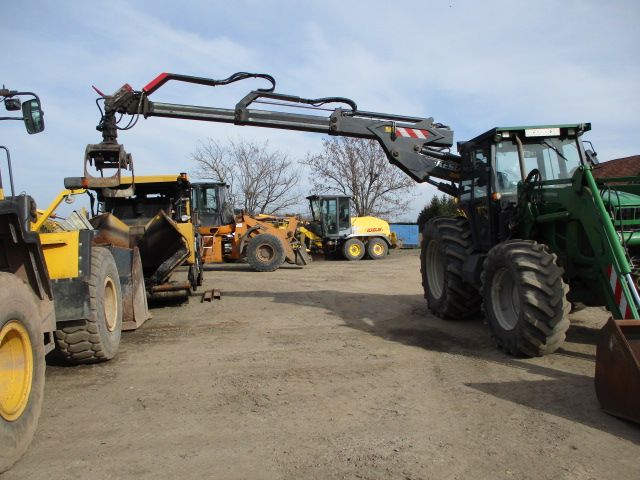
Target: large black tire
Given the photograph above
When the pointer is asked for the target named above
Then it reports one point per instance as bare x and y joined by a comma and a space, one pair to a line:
22, 367
98, 338
353, 249
525, 298
265, 252
446, 242
195, 274
377, 248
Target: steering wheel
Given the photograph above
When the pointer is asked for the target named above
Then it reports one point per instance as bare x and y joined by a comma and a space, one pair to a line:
533, 176
532, 187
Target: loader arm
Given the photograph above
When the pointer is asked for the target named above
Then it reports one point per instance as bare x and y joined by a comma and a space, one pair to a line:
418, 146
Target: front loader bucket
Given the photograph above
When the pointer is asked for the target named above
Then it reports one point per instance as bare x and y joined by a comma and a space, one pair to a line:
162, 249
618, 369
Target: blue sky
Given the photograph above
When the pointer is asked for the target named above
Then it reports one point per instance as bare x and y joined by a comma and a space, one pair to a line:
472, 65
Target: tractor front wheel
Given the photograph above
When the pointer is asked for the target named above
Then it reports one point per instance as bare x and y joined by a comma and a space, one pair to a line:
446, 242
525, 298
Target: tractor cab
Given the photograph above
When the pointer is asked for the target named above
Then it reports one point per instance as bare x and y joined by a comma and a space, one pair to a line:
496, 162
331, 215
211, 204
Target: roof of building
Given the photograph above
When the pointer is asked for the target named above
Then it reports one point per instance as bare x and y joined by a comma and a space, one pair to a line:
619, 167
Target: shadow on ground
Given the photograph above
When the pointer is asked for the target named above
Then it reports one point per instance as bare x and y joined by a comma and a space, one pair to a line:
561, 393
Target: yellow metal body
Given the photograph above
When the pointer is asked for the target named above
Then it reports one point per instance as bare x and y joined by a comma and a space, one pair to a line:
310, 238
16, 370
362, 228
60, 248
188, 233
141, 179
61, 253
370, 226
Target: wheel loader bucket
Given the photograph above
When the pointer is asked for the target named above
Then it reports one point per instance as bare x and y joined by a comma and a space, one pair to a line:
135, 310
162, 248
617, 376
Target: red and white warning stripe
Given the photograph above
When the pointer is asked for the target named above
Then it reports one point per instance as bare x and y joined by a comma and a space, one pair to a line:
412, 132
618, 292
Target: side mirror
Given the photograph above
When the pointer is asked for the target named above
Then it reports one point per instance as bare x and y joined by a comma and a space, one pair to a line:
592, 157
33, 116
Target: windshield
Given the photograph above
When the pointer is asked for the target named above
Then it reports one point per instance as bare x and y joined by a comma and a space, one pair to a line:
314, 204
555, 159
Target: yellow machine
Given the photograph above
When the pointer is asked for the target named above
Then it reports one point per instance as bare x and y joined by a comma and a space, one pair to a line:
97, 282
265, 241
27, 316
152, 215
334, 230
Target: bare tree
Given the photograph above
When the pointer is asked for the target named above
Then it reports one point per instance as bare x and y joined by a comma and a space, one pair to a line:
260, 180
360, 168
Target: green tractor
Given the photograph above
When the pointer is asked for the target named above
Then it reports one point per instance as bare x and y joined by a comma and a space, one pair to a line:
537, 233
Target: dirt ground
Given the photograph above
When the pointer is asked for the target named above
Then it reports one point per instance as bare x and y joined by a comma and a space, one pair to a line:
336, 370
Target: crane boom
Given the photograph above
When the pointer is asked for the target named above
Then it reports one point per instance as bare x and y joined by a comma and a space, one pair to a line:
418, 146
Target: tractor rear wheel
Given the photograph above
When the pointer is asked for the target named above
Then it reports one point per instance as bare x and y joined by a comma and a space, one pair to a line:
446, 242
353, 249
525, 298
96, 339
22, 367
265, 252
377, 249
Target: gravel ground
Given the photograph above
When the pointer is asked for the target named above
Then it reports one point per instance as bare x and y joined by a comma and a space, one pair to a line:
336, 370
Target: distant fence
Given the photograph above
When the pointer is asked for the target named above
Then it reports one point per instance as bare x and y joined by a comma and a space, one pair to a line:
408, 234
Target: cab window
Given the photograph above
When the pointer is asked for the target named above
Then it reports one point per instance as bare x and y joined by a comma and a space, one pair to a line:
330, 215
344, 221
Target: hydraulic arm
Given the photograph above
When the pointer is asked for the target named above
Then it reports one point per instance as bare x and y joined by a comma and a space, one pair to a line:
418, 146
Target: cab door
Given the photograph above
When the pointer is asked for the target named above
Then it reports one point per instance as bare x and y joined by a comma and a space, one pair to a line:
329, 215
478, 190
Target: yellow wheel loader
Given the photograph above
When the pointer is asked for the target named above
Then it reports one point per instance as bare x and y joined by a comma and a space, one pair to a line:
97, 282
27, 317
265, 241
147, 226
